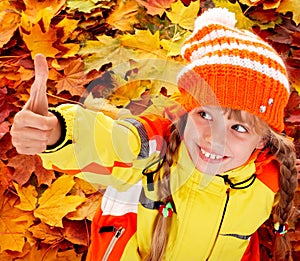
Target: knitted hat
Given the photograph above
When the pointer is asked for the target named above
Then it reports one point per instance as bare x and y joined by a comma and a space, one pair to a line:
232, 68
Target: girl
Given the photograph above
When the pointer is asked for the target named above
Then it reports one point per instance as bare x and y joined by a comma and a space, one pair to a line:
210, 178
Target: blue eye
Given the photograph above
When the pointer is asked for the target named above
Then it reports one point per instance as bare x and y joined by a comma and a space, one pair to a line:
239, 128
205, 115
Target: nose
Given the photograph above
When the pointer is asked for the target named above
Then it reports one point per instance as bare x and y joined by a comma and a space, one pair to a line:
216, 135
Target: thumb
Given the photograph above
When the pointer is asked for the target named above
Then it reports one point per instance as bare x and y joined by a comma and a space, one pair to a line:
38, 102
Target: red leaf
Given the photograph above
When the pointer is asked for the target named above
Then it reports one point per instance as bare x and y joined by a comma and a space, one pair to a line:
25, 165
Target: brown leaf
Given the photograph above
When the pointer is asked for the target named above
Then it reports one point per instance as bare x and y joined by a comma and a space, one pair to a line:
25, 165
76, 232
124, 16
5, 146
86, 210
5, 177
72, 79
48, 235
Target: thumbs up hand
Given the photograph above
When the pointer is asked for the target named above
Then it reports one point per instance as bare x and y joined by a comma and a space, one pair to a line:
34, 127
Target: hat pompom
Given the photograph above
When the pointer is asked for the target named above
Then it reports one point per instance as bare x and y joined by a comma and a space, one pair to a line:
216, 15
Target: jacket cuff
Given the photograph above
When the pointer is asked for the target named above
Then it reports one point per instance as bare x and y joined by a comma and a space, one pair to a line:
66, 131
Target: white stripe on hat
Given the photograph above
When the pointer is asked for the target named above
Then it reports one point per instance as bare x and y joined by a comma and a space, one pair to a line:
221, 33
238, 61
198, 53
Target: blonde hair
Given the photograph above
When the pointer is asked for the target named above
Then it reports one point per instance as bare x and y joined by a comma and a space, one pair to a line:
278, 145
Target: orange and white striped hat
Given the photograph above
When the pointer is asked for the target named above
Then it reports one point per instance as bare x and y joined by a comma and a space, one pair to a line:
232, 68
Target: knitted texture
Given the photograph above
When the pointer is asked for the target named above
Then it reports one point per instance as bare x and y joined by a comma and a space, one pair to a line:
232, 68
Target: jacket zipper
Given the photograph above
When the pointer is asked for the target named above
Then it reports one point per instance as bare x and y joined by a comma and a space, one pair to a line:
220, 225
117, 235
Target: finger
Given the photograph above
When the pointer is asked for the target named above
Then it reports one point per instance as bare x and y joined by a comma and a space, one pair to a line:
38, 101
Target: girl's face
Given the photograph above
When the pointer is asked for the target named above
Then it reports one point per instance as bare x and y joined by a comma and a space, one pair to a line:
216, 143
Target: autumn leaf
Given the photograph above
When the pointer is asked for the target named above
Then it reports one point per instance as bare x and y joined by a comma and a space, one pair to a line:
72, 79
9, 22
156, 7
4, 178
86, 210
39, 42
104, 51
47, 234
13, 225
124, 16
290, 6
184, 16
142, 40
242, 21
28, 197
53, 205
85, 6
25, 165
68, 26
75, 232
34, 8
174, 45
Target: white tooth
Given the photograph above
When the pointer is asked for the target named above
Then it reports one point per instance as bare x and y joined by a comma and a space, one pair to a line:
207, 154
219, 157
213, 156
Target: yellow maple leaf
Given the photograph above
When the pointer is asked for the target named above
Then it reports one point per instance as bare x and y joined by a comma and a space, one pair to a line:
34, 9
68, 25
54, 204
124, 16
105, 50
174, 45
142, 40
39, 42
290, 6
184, 16
28, 197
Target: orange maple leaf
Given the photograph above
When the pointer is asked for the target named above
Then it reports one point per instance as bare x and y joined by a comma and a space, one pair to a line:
72, 79
156, 7
39, 42
13, 225
25, 165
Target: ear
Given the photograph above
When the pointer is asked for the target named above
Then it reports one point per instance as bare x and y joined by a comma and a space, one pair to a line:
261, 143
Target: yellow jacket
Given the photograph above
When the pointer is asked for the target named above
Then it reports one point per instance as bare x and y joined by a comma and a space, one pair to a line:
213, 220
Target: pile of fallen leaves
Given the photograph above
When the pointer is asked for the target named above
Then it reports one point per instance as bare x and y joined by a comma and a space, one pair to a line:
46, 215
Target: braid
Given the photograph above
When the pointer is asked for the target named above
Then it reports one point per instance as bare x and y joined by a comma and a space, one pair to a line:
283, 150
160, 235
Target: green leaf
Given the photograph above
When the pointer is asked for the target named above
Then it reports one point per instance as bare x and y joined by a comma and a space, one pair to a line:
85, 6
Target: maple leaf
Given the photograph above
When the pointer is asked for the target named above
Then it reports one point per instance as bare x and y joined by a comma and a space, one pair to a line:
143, 40
25, 165
13, 225
124, 16
28, 197
34, 8
86, 210
184, 16
5, 146
54, 204
104, 51
39, 42
156, 7
48, 235
9, 22
75, 232
68, 25
72, 79
68, 255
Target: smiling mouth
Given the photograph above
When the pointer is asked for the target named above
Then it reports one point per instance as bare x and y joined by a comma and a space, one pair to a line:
212, 156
